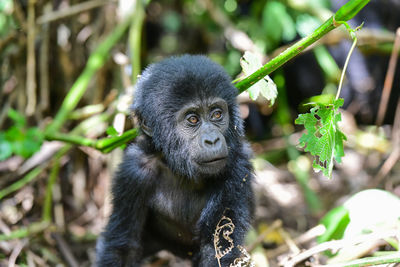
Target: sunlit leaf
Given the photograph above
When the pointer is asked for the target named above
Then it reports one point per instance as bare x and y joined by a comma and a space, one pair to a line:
372, 210
368, 211
266, 87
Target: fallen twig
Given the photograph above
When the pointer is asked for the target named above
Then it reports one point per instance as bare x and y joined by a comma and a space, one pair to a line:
65, 250
275, 225
16, 251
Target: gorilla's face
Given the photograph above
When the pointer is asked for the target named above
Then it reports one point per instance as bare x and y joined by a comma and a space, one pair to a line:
202, 126
187, 105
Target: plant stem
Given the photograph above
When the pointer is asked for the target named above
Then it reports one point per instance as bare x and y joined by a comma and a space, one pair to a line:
105, 145
47, 205
33, 228
346, 12
345, 67
285, 56
135, 39
380, 260
22, 182
70, 138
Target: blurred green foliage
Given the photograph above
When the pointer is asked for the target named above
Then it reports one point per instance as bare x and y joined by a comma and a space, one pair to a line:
6, 19
18, 139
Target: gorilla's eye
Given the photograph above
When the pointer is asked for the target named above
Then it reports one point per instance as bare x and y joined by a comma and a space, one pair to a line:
193, 119
216, 115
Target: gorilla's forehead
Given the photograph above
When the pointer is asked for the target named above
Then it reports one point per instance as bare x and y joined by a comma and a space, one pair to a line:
204, 103
169, 85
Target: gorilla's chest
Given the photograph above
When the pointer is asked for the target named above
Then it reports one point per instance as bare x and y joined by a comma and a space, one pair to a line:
176, 207
178, 203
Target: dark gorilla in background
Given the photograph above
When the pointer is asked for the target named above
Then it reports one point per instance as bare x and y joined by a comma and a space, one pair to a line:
188, 168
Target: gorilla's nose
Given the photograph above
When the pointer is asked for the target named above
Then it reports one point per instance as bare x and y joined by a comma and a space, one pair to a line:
210, 142
211, 139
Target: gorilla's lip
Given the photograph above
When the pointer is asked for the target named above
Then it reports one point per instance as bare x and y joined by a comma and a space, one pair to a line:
214, 160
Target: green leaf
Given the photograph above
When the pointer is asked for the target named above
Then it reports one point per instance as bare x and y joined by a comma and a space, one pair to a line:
19, 120
266, 86
33, 141
335, 222
277, 23
24, 142
5, 148
350, 9
111, 131
14, 134
323, 138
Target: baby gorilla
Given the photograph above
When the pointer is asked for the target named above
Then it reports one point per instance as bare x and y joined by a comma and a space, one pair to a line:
188, 169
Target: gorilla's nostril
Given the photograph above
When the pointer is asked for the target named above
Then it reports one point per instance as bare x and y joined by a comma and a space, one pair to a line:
211, 141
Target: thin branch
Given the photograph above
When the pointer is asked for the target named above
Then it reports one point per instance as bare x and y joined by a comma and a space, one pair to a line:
65, 250
22, 182
395, 154
387, 87
31, 61
16, 251
47, 205
275, 225
72, 10
22, 232
345, 67
44, 63
105, 145
135, 39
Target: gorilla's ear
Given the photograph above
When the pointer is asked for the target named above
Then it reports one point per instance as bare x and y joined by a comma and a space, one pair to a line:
146, 129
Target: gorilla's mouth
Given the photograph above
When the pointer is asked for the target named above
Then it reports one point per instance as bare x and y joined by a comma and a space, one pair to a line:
214, 160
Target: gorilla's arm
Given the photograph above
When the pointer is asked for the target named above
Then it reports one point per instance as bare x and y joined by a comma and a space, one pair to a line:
235, 201
120, 244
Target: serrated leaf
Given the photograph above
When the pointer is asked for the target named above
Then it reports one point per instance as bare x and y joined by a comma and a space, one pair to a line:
266, 86
323, 138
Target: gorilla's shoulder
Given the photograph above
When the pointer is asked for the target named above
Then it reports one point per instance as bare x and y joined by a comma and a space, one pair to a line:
137, 165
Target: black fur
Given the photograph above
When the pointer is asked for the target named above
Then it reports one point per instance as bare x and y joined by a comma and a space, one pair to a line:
164, 195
